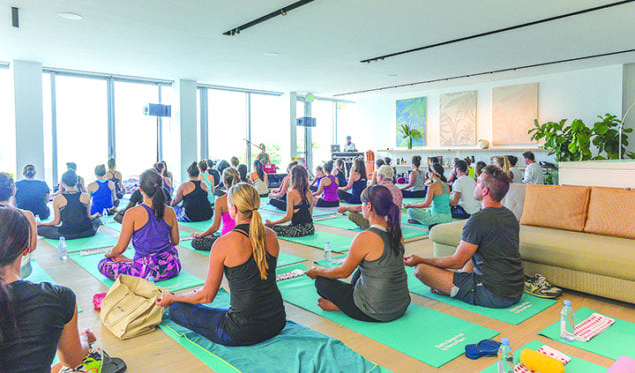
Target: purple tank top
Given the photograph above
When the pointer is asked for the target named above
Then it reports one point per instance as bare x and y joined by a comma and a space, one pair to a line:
228, 223
330, 191
152, 238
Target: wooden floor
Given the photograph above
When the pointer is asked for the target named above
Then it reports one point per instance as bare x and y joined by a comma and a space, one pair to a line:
156, 352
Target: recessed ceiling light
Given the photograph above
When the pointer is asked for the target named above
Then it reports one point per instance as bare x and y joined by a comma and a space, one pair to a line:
71, 16
392, 74
272, 54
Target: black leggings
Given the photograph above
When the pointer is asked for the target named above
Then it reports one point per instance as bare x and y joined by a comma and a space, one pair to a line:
279, 203
458, 212
53, 231
323, 203
411, 194
340, 294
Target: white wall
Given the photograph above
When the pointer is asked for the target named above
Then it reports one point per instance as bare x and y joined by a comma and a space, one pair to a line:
580, 94
628, 99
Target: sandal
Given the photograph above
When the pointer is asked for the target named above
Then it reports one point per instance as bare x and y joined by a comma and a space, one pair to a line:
486, 347
112, 364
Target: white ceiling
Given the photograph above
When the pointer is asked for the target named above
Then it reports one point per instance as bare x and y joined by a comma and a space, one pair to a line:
319, 45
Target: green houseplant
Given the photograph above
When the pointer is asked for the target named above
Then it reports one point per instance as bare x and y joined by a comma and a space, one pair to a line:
607, 138
409, 134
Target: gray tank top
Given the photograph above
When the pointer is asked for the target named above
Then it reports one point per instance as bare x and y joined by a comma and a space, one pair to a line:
381, 291
418, 184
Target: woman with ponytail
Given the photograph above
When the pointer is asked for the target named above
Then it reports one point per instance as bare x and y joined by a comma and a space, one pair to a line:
248, 256
193, 193
154, 231
299, 207
438, 198
204, 241
36, 319
379, 288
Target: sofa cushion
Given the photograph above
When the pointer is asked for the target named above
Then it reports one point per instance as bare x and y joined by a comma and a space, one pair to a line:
561, 207
611, 212
515, 199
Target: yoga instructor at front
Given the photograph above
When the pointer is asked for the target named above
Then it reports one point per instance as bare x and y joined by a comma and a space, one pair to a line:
491, 272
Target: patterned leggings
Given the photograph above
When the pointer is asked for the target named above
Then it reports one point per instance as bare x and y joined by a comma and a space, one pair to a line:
204, 243
298, 230
161, 266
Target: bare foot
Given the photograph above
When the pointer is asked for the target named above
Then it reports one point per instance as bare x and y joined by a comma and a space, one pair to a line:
327, 305
437, 291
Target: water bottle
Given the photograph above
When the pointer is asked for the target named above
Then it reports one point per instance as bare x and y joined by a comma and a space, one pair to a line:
61, 249
328, 255
505, 357
104, 216
151, 279
567, 330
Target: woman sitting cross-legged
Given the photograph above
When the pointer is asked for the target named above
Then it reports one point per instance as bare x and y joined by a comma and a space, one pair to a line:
208, 180
379, 288
438, 197
327, 189
33, 195
115, 176
299, 207
154, 231
319, 175
278, 197
357, 182
72, 209
204, 241
259, 179
248, 256
38, 319
102, 191
416, 186
193, 193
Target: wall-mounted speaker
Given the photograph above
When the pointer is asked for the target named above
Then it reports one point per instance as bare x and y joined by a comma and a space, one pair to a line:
306, 122
157, 110
15, 17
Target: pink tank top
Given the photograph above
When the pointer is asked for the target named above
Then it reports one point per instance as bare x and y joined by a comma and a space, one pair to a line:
228, 223
330, 191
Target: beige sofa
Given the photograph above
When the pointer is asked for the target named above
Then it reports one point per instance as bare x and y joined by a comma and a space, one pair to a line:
601, 264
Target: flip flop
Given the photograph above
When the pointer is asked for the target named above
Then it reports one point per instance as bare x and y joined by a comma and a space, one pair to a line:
486, 347
112, 364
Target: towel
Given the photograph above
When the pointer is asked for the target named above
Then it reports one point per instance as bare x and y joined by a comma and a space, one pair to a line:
592, 326
293, 274
556, 362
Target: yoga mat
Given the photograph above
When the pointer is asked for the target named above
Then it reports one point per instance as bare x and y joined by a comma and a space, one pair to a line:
317, 212
38, 275
89, 262
98, 241
413, 200
325, 263
527, 307
576, 365
338, 243
617, 340
284, 259
117, 227
296, 349
344, 223
427, 335
198, 225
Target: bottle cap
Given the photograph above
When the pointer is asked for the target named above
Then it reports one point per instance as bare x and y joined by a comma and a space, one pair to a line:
567, 303
328, 242
505, 341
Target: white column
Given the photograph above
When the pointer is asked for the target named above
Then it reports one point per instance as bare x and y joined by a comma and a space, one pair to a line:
293, 104
628, 99
29, 117
185, 116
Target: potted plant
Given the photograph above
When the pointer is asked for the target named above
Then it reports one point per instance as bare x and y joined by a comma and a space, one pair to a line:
409, 134
607, 140
568, 142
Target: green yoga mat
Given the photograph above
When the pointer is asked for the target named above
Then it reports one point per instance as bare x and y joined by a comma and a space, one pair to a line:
98, 241
617, 340
338, 243
427, 335
576, 365
198, 225
284, 259
325, 263
527, 307
89, 262
344, 223
38, 275
297, 348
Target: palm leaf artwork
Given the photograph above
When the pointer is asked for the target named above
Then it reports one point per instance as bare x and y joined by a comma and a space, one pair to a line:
411, 122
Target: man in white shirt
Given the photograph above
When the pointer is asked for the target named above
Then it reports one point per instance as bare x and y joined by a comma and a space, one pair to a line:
533, 172
462, 201
349, 146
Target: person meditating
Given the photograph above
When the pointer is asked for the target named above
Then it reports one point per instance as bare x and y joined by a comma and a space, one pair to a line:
194, 194
438, 197
357, 182
327, 189
278, 197
154, 231
299, 207
259, 179
72, 209
416, 186
340, 171
204, 241
319, 175
102, 192
488, 255
379, 288
115, 176
248, 256
33, 195
208, 180
462, 203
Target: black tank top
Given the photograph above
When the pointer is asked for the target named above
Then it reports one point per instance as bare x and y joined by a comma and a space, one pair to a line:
303, 215
256, 310
196, 204
74, 215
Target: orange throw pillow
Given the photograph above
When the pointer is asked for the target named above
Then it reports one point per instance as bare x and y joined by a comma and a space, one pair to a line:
611, 212
560, 207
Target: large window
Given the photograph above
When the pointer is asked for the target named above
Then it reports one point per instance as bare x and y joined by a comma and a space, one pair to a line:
322, 135
227, 124
347, 125
7, 124
171, 138
269, 126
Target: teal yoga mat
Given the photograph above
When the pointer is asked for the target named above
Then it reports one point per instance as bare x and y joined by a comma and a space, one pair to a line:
427, 335
344, 223
617, 340
527, 307
98, 241
284, 259
198, 225
576, 365
296, 349
325, 263
89, 262
338, 243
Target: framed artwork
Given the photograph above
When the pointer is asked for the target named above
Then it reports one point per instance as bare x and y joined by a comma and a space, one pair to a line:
514, 109
457, 118
412, 114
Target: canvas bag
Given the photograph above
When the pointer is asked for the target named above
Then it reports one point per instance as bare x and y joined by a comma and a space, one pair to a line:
129, 309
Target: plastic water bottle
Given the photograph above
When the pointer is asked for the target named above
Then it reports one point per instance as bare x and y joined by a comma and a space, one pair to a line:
567, 330
104, 216
151, 279
328, 254
505, 357
61, 249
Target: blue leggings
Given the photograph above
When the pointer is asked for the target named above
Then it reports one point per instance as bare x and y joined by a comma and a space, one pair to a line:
206, 321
